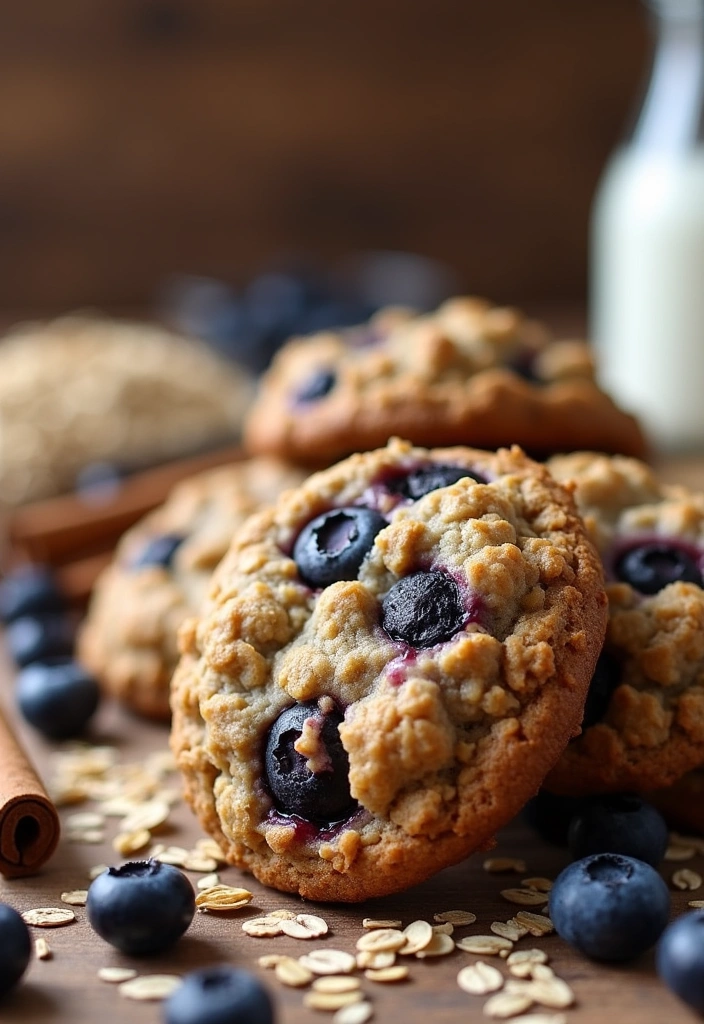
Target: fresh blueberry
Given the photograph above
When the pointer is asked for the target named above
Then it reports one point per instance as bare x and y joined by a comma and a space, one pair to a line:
680, 958
609, 907
650, 567
212, 310
334, 314
318, 385
35, 639
430, 478
333, 546
219, 995
15, 947
57, 697
29, 590
619, 823
607, 676
321, 794
551, 815
158, 551
423, 609
276, 303
141, 907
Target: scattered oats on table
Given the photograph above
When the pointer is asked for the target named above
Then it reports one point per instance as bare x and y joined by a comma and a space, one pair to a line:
503, 865
75, 898
330, 1000
418, 935
484, 945
686, 879
116, 975
387, 974
48, 917
150, 987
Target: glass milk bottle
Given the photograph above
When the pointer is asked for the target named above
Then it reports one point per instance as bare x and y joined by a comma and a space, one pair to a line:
647, 272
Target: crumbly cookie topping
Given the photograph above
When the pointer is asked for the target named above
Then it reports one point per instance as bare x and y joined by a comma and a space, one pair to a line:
421, 727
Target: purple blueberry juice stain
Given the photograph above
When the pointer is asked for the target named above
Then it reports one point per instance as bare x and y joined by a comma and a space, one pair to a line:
398, 668
307, 832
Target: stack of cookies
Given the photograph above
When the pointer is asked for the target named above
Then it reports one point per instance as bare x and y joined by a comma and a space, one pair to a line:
398, 651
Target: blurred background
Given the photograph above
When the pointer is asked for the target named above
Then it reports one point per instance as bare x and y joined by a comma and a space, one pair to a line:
145, 138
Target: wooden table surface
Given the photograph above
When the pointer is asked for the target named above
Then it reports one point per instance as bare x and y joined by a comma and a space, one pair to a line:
66, 988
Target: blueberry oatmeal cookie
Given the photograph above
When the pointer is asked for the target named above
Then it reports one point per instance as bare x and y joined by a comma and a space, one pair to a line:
83, 390
644, 717
470, 373
388, 663
160, 574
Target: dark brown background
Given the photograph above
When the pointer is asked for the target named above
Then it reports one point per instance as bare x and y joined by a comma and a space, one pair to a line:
139, 137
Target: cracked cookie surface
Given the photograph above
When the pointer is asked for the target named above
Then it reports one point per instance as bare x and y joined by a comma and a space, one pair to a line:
644, 717
160, 574
470, 373
387, 664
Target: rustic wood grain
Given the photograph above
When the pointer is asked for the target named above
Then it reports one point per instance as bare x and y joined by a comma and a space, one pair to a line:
143, 137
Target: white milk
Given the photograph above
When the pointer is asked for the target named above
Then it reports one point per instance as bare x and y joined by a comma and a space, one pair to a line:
648, 290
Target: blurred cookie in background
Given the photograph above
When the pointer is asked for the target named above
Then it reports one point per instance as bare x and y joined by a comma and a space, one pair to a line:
81, 390
469, 373
160, 575
643, 725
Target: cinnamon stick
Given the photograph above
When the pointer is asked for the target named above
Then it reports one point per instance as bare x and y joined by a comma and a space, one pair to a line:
29, 823
60, 530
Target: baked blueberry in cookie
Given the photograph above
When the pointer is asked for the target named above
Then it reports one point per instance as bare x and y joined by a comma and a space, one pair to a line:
425, 479
158, 550
333, 546
651, 565
423, 609
160, 575
469, 373
388, 662
306, 766
318, 385
644, 717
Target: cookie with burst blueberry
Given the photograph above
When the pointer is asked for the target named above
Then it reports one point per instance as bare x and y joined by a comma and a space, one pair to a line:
470, 373
389, 662
160, 574
644, 717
